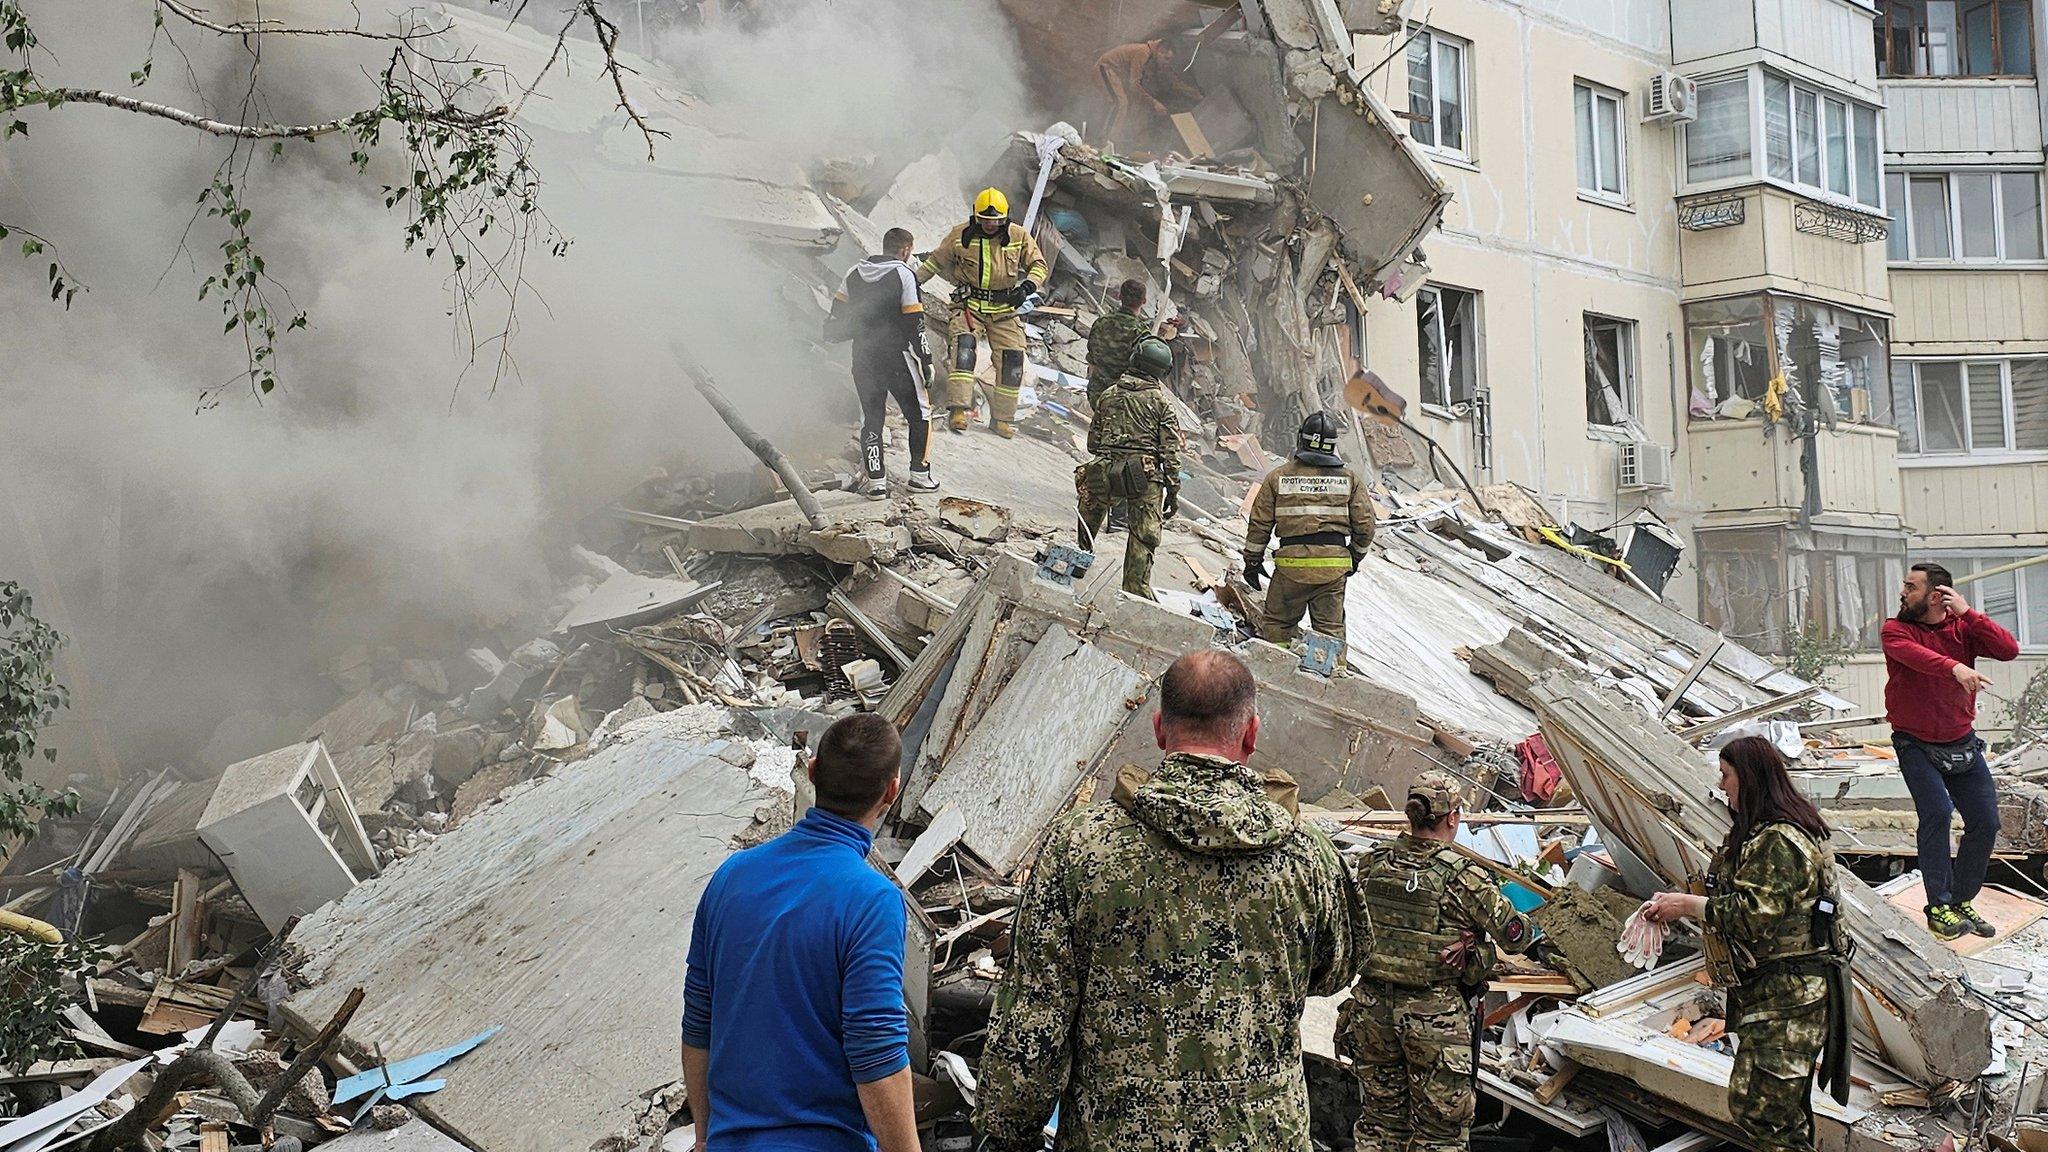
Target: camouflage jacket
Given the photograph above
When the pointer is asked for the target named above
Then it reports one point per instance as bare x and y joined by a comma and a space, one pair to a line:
1111, 341
1164, 948
1761, 906
1135, 419
1430, 916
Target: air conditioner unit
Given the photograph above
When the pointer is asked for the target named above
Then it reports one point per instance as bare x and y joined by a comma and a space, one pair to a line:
1645, 465
1674, 99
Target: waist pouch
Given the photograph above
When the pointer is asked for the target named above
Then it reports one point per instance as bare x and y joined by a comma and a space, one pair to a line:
1129, 477
1953, 758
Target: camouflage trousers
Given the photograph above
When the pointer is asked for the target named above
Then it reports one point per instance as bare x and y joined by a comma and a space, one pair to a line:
1287, 598
1004, 333
1145, 523
1780, 1022
1412, 1051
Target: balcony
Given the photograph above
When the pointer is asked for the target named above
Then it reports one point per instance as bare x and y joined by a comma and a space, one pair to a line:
1748, 472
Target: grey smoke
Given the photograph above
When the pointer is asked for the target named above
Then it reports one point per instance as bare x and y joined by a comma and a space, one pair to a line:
216, 562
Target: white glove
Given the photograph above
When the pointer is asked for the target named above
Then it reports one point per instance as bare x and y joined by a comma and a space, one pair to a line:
1642, 940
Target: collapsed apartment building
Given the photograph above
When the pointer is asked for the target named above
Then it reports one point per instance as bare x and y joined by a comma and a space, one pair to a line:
454, 913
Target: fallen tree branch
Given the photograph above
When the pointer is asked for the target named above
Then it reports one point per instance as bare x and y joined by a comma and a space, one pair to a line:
207, 1065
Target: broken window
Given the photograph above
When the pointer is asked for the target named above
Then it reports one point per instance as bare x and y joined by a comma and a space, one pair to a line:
1436, 90
1850, 583
1742, 587
1834, 359
1717, 144
1446, 320
1597, 112
1611, 398
1955, 38
1730, 356
1981, 407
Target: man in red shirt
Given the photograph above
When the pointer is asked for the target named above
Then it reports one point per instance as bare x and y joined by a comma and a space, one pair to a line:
1930, 700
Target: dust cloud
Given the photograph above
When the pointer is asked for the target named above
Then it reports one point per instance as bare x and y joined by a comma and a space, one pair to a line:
212, 565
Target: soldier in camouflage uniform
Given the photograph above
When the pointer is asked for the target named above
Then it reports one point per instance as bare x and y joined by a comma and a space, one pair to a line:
1164, 948
1430, 921
1772, 934
1136, 441
1113, 338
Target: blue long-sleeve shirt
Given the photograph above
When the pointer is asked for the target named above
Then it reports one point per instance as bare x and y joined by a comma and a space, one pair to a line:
795, 987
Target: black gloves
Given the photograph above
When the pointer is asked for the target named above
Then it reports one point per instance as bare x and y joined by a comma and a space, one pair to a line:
1255, 570
1357, 558
1172, 508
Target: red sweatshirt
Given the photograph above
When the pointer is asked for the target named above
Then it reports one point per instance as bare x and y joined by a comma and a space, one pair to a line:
1921, 696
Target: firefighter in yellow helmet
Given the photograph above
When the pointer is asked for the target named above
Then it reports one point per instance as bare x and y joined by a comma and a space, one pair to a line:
996, 271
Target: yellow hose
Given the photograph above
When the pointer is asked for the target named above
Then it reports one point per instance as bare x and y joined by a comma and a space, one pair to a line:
30, 926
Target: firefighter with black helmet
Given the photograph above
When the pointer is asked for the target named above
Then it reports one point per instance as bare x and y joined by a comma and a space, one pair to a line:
1322, 515
996, 271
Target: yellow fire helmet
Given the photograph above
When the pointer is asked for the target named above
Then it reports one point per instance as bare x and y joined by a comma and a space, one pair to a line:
991, 203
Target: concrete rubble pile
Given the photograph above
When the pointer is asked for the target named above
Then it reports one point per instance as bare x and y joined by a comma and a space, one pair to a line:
463, 894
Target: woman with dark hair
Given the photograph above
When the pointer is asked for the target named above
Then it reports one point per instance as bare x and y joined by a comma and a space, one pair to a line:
1774, 942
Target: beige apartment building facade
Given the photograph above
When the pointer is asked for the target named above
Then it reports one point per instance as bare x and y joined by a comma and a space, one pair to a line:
1675, 283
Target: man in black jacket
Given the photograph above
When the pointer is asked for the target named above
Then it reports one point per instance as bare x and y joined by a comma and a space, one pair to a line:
879, 305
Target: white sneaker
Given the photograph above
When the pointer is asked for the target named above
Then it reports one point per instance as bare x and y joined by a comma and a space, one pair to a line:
875, 488
923, 481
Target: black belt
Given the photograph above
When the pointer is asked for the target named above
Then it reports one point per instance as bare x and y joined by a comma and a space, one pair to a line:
992, 295
1341, 539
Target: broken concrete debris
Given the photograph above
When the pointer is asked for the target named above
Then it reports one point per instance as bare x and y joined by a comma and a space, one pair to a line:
497, 857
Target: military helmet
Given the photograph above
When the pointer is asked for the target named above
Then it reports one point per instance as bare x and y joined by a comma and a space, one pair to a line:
1152, 359
1438, 792
991, 204
1316, 442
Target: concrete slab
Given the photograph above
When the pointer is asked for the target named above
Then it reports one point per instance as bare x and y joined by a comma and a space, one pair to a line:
628, 597
418, 1136
562, 913
780, 529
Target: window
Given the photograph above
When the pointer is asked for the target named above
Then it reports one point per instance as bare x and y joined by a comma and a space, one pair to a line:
1766, 586
1611, 397
1955, 38
1446, 323
1820, 142
1436, 90
1602, 144
2018, 600
1717, 144
1968, 216
1834, 362
1971, 407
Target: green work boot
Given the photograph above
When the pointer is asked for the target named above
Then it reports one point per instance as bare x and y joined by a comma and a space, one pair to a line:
1945, 922
1978, 924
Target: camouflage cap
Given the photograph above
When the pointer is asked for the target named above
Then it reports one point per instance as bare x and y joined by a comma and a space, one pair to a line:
1439, 791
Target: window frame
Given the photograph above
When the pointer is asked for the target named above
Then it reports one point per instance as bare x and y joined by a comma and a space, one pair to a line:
1435, 38
2008, 453
1630, 385
1888, 24
1446, 406
1595, 93
1760, 82
1952, 199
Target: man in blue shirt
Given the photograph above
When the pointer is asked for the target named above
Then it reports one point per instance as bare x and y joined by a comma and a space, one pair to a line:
795, 1037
